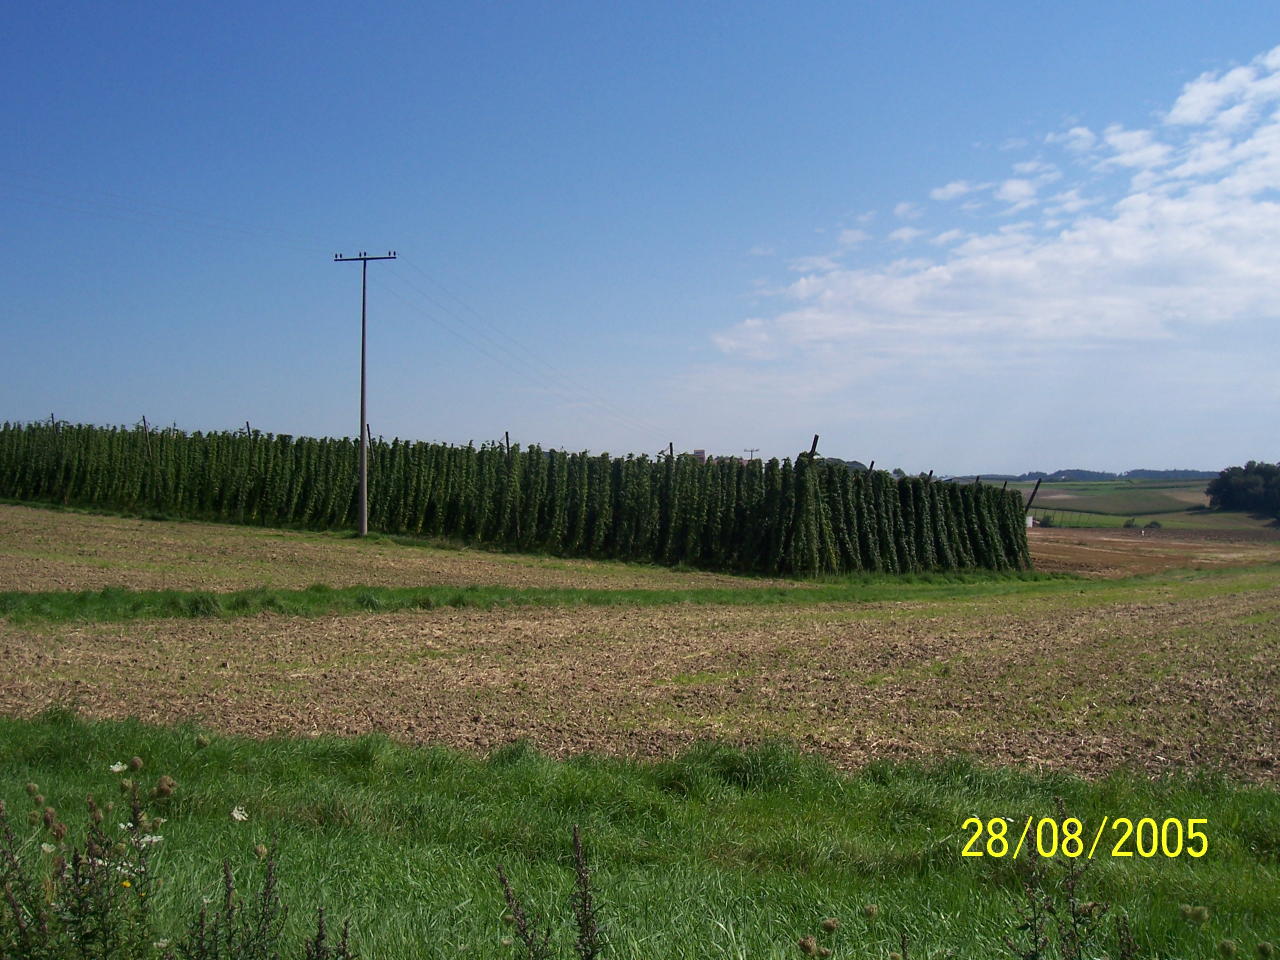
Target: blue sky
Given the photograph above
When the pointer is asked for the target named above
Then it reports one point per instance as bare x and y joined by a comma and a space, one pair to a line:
963, 237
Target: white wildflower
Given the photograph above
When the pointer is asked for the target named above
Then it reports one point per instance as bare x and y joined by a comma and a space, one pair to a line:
48, 847
160, 944
119, 767
239, 814
149, 839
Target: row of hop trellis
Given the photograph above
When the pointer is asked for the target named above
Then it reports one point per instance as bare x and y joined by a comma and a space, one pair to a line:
803, 517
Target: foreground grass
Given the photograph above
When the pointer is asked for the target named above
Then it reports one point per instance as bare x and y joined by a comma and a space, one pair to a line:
721, 852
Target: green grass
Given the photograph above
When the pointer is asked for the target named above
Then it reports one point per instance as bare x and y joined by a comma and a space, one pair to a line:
719, 853
118, 604
1109, 503
1116, 497
951, 592
1203, 520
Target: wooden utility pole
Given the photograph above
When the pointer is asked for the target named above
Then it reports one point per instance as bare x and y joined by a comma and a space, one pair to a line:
750, 452
364, 259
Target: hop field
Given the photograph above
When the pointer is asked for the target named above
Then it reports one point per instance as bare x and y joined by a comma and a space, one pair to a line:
806, 518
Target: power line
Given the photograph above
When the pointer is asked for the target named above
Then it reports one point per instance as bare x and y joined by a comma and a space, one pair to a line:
505, 356
146, 213
529, 354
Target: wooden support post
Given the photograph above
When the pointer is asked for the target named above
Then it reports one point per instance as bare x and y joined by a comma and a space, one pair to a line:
1032, 498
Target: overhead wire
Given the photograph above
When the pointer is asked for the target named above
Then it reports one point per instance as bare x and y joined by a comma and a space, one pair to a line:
145, 213
462, 337
528, 352
520, 362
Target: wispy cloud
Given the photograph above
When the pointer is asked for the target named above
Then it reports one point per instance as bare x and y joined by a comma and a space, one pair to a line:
956, 188
1148, 236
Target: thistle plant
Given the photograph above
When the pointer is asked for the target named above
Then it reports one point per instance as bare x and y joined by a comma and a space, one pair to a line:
533, 938
87, 896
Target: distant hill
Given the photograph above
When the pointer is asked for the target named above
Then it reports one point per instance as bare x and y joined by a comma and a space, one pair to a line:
1080, 476
1062, 476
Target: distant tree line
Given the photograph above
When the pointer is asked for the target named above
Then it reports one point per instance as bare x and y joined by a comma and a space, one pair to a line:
1088, 476
792, 517
1254, 487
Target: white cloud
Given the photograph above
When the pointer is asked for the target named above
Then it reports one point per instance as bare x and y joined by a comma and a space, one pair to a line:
1155, 236
907, 210
1204, 99
1019, 192
1044, 172
1069, 201
1077, 139
853, 238
956, 188
818, 263
1134, 148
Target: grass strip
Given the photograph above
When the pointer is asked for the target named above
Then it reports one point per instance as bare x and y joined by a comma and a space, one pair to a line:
113, 604
719, 852
118, 603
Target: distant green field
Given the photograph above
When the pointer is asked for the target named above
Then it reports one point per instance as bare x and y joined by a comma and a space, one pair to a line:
1119, 497
1175, 504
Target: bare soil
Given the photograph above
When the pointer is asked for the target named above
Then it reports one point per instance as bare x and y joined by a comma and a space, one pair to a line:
1119, 552
1055, 682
